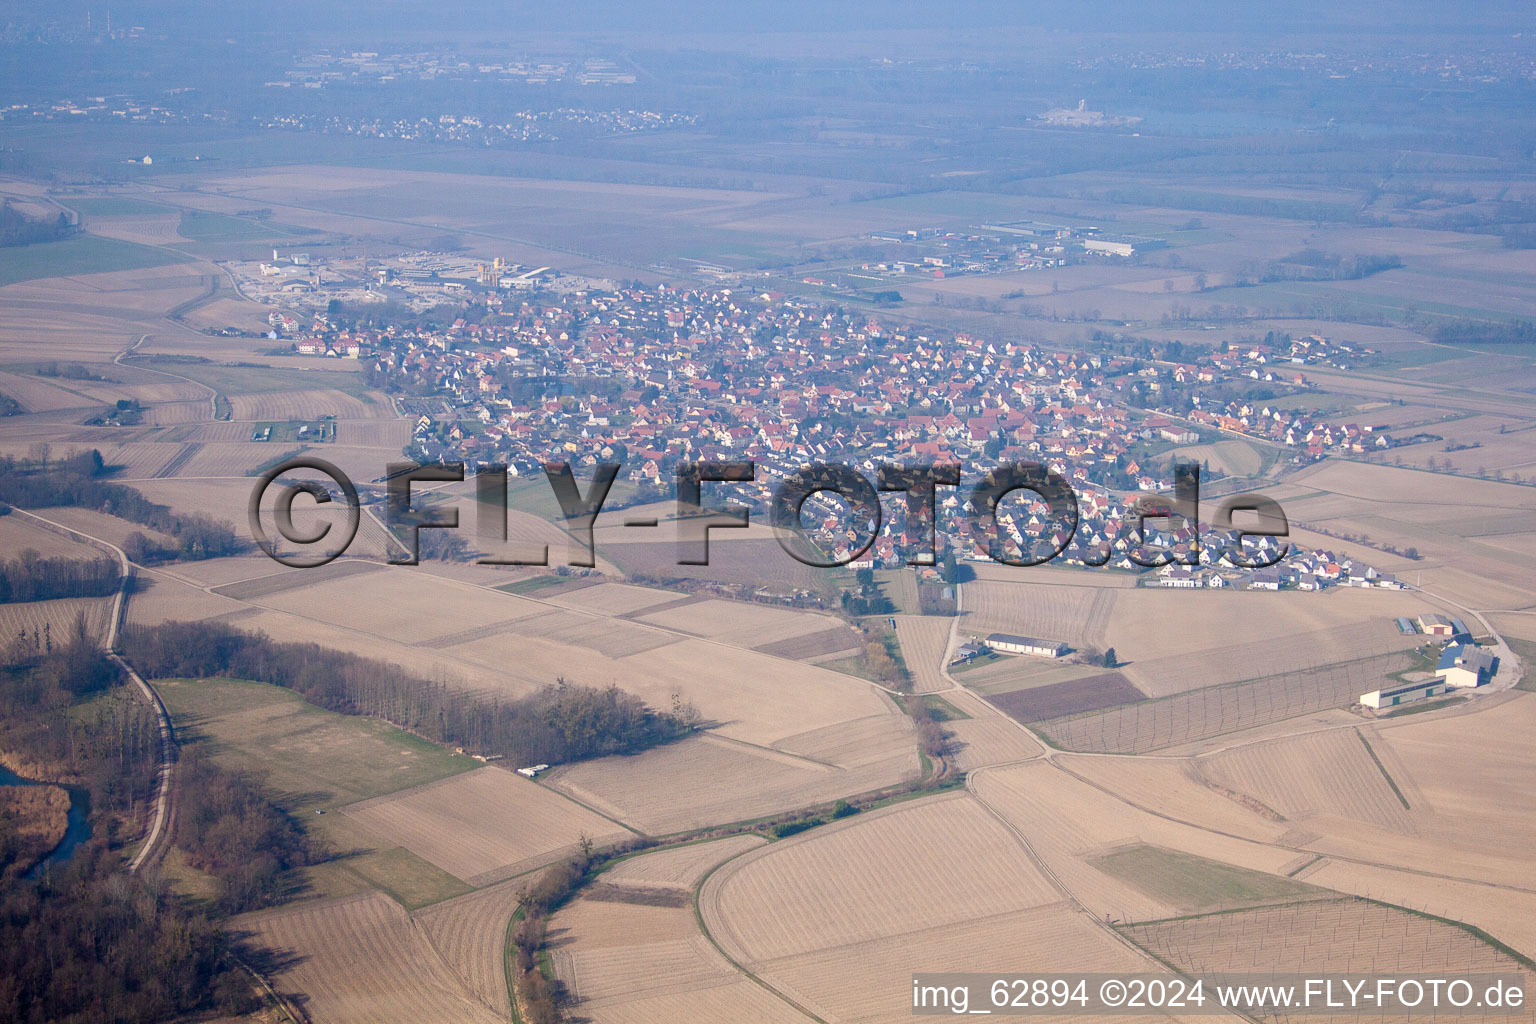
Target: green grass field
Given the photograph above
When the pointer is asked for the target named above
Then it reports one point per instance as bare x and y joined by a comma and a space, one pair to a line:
312, 762
1526, 649
220, 227
1194, 884
115, 206
83, 254
313, 758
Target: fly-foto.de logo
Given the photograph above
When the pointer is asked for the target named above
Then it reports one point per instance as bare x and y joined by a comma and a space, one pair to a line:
1156, 530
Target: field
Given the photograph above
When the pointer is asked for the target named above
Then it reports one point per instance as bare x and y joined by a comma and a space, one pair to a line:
742, 625
57, 618
483, 826
314, 762
924, 643
826, 888
1168, 641
654, 791
1197, 715
1174, 787
1230, 458
1071, 824
1468, 769
19, 534
83, 254
308, 404
1319, 774
1332, 936
362, 961
469, 932
818, 918
1077, 615
679, 867
1073, 697
102, 526
630, 963
1194, 884
985, 737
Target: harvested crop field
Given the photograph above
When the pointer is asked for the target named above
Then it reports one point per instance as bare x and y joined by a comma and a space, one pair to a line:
306, 405
810, 646
679, 867
483, 826
470, 933
659, 791
102, 526
924, 643
1069, 823
1173, 787
1173, 640
56, 619
871, 982
1209, 666
1073, 697
1330, 936
837, 917
628, 963
832, 886
739, 623
978, 742
281, 579
19, 534
361, 961
159, 597
615, 599
1328, 773
1472, 770
1076, 615
1201, 714
758, 562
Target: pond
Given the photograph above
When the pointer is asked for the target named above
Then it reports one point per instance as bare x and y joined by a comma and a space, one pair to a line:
76, 831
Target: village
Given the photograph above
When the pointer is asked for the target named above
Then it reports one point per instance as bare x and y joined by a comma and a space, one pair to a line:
668, 375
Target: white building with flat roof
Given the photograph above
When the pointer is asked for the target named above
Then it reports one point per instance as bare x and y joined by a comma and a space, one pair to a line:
1008, 643
1404, 694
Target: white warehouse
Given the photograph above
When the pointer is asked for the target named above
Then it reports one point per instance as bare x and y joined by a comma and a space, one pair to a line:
1010, 644
1393, 696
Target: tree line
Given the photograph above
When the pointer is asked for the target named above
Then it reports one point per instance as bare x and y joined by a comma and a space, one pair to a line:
86, 942
76, 482
16, 228
226, 826
94, 944
30, 577
558, 723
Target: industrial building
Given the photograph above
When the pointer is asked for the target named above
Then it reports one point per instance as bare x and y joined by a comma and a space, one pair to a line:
1007, 643
1407, 693
1463, 666
1435, 624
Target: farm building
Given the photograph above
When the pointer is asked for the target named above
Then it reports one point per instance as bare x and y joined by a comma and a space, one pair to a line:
1010, 644
1404, 694
1435, 624
1405, 626
1463, 666
966, 651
